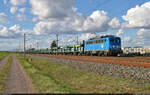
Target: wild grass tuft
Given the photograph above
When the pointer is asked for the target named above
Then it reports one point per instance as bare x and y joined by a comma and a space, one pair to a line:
148, 86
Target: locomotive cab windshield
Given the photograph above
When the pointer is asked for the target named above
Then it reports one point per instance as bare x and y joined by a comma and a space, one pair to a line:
115, 40
118, 40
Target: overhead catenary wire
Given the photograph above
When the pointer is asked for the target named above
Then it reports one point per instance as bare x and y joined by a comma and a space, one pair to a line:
95, 7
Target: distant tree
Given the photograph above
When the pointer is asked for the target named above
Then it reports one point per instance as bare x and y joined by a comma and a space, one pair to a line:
53, 44
32, 49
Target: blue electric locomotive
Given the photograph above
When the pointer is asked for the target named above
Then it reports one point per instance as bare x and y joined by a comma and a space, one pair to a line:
104, 45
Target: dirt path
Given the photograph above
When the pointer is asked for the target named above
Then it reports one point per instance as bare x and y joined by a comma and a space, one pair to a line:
18, 82
3, 62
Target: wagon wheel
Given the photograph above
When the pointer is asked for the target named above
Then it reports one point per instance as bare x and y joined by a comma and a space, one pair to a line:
99, 54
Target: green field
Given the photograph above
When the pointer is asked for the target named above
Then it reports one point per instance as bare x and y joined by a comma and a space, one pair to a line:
48, 77
3, 54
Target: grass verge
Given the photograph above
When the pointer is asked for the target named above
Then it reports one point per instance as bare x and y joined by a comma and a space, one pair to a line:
3, 54
44, 82
52, 78
4, 73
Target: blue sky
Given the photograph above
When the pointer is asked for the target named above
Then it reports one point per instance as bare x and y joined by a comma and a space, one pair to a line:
70, 18
115, 8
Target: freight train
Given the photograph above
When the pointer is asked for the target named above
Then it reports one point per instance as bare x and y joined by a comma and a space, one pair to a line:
101, 46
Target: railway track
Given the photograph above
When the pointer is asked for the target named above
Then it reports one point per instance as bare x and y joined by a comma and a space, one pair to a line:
128, 61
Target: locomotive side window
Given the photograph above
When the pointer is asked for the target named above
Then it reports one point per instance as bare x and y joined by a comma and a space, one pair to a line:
112, 40
96, 42
90, 42
102, 41
99, 41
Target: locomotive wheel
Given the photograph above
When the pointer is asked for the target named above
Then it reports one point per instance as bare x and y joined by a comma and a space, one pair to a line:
99, 54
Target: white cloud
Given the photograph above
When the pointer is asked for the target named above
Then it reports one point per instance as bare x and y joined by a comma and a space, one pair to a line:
120, 32
96, 22
143, 37
13, 10
34, 19
47, 9
72, 39
22, 10
11, 32
17, 2
114, 23
27, 31
60, 16
5, 1
86, 36
144, 33
3, 18
127, 39
138, 17
4, 32
49, 40
15, 28
20, 17
67, 40
6, 44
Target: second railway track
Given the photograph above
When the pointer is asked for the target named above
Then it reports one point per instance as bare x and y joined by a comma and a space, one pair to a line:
127, 61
